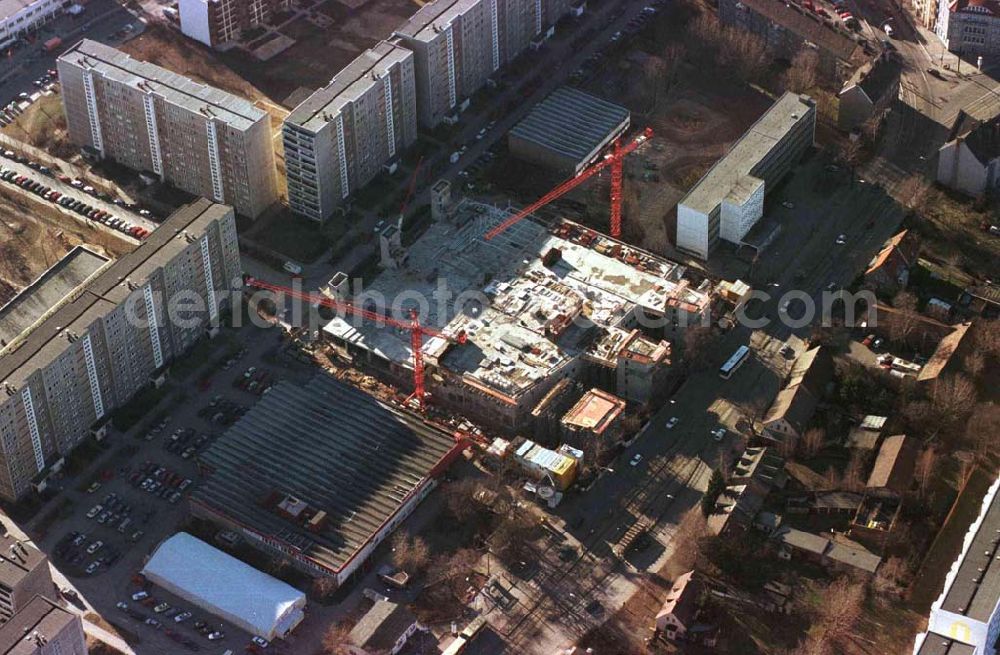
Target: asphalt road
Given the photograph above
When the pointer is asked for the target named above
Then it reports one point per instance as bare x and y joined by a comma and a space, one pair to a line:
100, 21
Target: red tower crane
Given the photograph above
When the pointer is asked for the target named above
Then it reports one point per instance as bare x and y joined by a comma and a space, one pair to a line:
614, 160
417, 331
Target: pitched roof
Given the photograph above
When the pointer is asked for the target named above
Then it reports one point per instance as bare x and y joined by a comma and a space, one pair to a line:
380, 628
882, 77
899, 251
991, 7
682, 599
893, 469
984, 140
946, 348
808, 26
794, 405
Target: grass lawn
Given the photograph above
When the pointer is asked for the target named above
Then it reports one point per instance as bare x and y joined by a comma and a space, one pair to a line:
952, 239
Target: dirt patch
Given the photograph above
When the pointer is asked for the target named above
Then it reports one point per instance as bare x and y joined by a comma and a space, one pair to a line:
33, 237
43, 125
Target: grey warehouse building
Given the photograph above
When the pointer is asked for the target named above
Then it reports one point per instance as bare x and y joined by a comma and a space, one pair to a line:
567, 130
320, 474
77, 357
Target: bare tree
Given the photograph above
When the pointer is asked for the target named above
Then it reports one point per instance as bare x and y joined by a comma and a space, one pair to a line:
974, 364
925, 469
410, 553
903, 321
686, 542
812, 441
801, 75
853, 473
335, 639
892, 578
699, 346
953, 397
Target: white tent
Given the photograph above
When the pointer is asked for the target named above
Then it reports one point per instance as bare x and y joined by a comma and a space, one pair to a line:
223, 585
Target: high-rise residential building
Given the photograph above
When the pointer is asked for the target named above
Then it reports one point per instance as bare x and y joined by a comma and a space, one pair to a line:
219, 22
24, 575
198, 138
90, 350
340, 137
729, 199
459, 44
43, 628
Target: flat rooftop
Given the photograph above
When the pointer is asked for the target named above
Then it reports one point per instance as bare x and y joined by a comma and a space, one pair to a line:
17, 560
333, 449
352, 82
432, 18
732, 176
935, 644
40, 616
595, 411
9, 8
47, 339
28, 306
237, 112
975, 589
573, 124
531, 319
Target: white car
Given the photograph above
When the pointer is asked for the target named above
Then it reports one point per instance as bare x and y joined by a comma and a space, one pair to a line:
183, 616
841, 239
672, 422
784, 306
787, 205
635, 460
140, 595
94, 547
260, 641
719, 434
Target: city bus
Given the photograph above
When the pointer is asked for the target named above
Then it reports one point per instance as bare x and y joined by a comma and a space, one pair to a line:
734, 362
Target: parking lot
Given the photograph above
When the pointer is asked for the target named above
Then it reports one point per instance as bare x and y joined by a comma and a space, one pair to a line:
75, 196
124, 508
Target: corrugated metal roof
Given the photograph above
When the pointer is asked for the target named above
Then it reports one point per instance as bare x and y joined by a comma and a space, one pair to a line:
572, 123
330, 445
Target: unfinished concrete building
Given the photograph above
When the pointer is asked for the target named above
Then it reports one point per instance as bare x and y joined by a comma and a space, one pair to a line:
536, 304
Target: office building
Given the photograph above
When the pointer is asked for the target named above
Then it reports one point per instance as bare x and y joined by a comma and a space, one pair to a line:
339, 138
320, 474
20, 17
220, 22
969, 27
567, 130
24, 575
197, 138
965, 616
43, 628
93, 349
729, 199
459, 44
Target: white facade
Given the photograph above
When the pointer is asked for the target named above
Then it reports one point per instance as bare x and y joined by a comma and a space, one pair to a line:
982, 635
692, 230
959, 169
223, 585
20, 16
194, 20
741, 212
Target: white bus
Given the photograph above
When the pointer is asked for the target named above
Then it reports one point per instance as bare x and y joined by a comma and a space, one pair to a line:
734, 362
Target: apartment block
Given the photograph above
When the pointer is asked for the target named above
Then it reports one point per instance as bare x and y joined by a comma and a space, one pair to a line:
219, 22
729, 199
24, 575
459, 44
340, 137
93, 349
18, 17
197, 138
43, 627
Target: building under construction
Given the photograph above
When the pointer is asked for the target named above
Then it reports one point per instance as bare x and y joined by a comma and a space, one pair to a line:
536, 304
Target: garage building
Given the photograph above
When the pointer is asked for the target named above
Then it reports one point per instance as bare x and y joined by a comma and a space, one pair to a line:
224, 586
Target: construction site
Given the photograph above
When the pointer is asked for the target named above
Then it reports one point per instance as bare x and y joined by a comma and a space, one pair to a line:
515, 314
